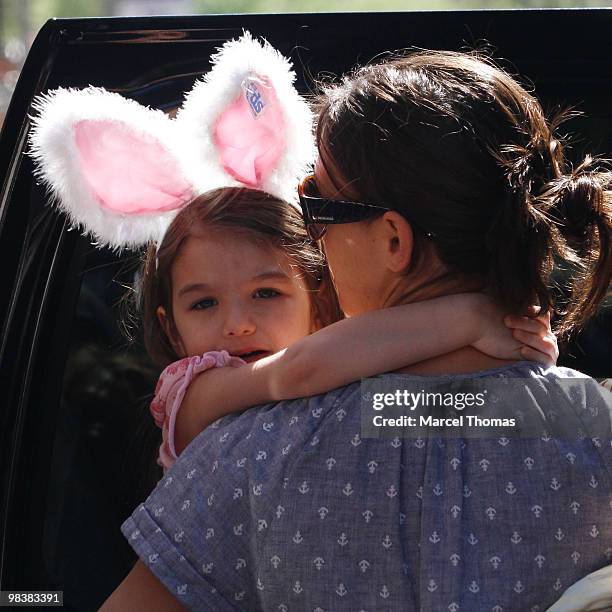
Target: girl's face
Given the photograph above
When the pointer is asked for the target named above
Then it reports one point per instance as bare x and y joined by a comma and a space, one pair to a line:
229, 293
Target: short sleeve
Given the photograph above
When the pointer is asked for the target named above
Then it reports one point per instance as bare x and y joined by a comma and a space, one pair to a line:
170, 392
181, 531
200, 529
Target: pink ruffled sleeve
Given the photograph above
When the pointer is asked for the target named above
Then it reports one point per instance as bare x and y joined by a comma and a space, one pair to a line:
171, 389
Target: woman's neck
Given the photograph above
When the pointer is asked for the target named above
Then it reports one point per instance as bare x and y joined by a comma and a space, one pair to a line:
465, 359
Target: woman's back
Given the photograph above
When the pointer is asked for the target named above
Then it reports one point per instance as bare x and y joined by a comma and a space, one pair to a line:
288, 505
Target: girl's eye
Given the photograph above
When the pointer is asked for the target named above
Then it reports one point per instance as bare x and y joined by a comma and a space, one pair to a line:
266, 293
204, 304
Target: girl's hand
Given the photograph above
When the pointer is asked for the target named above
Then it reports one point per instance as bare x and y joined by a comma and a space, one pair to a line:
540, 344
520, 338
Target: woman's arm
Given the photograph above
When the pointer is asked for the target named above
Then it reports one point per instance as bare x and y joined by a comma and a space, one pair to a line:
372, 343
141, 590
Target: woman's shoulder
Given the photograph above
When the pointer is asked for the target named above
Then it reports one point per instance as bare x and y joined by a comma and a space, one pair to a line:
288, 427
518, 369
287, 423
552, 376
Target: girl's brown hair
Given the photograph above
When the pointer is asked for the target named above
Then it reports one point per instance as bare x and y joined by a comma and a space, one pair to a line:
257, 217
458, 147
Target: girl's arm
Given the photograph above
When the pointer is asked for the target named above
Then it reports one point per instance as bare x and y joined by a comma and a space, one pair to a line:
373, 343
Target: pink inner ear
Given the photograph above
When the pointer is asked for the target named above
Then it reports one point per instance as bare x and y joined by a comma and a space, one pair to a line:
127, 171
250, 134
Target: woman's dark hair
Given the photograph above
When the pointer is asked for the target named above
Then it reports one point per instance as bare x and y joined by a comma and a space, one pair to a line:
458, 147
252, 214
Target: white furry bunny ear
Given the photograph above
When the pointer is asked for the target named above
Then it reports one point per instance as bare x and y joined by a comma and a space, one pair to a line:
122, 171
114, 166
251, 126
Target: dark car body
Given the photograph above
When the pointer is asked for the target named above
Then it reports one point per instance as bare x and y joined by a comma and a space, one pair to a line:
75, 434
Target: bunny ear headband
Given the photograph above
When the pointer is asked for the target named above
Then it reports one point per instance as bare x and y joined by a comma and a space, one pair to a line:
122, 171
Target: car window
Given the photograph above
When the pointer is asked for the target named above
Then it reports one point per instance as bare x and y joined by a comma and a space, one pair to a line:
105, 446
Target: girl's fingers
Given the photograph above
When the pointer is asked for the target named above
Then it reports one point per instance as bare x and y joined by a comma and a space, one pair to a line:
536, 335
544, 320
535, 326
523, 321
533, 355
532, 340
546, 344
535, 310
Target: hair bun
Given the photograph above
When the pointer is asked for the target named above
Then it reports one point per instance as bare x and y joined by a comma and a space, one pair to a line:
580, 198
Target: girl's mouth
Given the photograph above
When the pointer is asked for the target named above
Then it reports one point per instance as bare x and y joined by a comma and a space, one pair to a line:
251, 356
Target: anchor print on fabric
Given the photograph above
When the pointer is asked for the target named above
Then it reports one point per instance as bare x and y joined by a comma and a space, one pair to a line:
352, 499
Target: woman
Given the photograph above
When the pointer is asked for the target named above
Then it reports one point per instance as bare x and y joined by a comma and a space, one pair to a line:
437, 174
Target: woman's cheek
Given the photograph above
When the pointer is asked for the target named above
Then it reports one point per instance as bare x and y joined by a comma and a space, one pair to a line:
343, 260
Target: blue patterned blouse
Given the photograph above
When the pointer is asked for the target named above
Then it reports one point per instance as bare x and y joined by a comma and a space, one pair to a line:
287, 507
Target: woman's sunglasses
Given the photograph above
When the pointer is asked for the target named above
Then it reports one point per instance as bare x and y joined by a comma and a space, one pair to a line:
320, 212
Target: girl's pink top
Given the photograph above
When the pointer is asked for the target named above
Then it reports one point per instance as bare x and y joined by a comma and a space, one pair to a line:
171, 389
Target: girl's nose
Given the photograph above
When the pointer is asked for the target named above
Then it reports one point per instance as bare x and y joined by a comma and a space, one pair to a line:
238, 322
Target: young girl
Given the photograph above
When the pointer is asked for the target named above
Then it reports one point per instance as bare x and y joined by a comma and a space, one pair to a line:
237, 283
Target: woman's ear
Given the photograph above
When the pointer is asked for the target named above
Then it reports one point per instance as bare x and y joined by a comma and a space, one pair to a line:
399, 241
